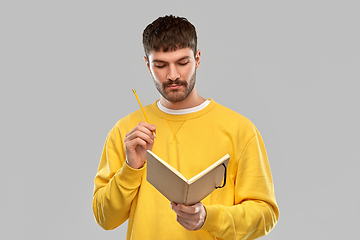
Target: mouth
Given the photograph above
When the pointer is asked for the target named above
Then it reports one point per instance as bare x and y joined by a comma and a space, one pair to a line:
174, 86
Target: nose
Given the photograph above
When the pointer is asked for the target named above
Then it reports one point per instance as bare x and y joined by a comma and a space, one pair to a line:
173, 73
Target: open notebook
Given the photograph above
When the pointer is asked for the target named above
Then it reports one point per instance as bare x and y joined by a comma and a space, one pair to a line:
176, 188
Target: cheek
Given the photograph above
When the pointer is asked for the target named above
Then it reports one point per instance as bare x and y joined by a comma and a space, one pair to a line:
157, 75
188, 72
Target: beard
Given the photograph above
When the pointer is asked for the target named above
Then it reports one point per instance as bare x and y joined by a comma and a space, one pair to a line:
176, 95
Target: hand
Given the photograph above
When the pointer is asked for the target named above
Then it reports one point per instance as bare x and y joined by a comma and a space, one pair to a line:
137, 141
190, 217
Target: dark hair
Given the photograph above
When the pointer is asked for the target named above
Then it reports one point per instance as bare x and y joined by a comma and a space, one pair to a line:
168, 34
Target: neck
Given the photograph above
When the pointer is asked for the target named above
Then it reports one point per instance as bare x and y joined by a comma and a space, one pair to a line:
192, 100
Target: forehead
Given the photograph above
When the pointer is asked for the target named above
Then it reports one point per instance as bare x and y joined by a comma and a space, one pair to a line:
171, 56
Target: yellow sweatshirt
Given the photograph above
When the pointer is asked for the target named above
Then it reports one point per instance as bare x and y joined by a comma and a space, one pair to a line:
244, 209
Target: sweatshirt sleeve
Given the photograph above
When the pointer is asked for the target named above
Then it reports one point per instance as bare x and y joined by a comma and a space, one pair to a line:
255, 211
116, 184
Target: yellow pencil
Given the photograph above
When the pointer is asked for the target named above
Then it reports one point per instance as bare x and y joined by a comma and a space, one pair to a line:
142, 108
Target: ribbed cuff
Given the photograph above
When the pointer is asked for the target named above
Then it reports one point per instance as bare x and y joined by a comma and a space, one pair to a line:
213, 218
129, 177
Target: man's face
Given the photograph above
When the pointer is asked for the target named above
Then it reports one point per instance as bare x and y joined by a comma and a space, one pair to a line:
174, 72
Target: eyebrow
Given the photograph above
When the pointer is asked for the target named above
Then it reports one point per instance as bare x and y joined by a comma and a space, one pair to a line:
161, 61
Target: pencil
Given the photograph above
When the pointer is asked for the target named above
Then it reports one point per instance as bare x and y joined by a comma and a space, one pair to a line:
142, 109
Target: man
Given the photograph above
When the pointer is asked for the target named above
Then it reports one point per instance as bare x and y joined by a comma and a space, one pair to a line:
191, 134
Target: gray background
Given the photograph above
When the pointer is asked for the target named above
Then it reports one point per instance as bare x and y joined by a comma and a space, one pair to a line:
67, 69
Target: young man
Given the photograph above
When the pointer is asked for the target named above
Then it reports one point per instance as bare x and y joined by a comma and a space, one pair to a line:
192, 133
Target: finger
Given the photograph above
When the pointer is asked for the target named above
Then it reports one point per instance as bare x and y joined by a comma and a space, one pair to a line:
134, 143
193, 209
189, 224
184, 215
142, 133
180, 214
186, 225
174, 207
149, 126
142, 127
139, 135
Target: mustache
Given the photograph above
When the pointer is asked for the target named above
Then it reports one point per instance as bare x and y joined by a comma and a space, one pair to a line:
176, 82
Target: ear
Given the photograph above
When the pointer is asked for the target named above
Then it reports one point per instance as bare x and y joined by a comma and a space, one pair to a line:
147, 63
197, 58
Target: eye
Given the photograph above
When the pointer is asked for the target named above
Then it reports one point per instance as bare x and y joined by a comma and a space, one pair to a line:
159, 65
183, 63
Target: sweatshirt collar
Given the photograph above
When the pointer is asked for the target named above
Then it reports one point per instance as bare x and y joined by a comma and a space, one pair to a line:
209, 104
183, 111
